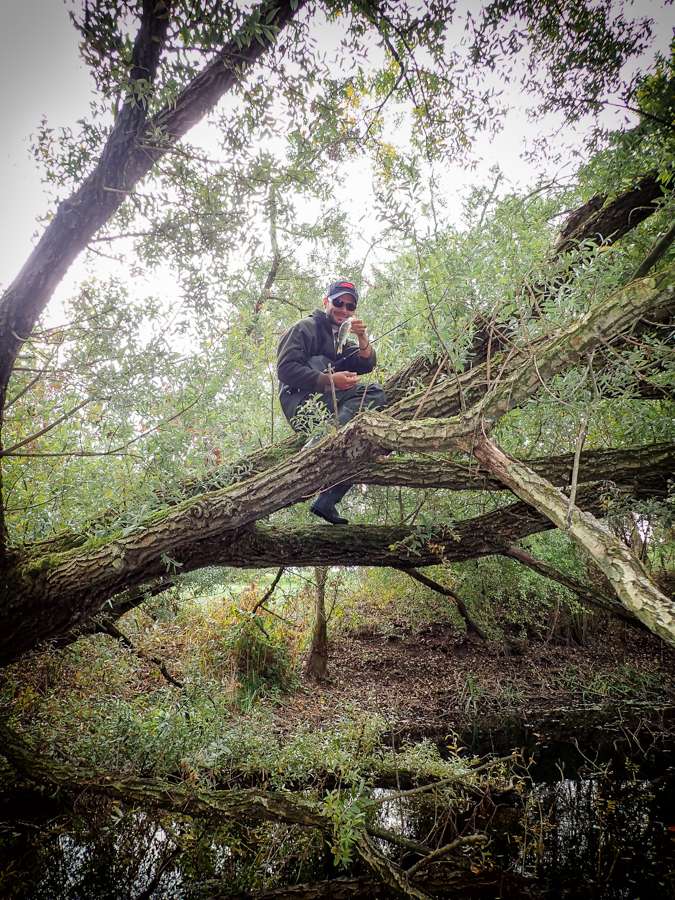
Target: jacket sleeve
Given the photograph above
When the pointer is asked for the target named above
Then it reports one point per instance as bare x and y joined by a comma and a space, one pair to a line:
352, 362
295, 348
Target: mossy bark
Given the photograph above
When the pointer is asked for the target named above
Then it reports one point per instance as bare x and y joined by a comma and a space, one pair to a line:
47, 597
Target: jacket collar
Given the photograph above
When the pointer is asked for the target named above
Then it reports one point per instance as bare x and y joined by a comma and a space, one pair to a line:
322, 320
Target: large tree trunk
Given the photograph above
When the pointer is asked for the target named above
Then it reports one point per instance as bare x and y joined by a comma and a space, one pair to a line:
317, 661
48, 596
25, 622
129, 154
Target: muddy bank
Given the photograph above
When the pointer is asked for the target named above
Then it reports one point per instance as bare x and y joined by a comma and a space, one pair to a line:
431, 682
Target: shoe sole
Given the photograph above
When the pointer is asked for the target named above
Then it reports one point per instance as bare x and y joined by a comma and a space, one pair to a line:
326, 519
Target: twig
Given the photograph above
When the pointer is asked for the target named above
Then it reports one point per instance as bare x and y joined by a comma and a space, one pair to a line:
446, 592
489, 200
114, 631
115, 451
333, 395
410, 518
581, 437
27, 387
444, 850
441, 782
269, 591
431, 384
281, 618
393, 876
9, 451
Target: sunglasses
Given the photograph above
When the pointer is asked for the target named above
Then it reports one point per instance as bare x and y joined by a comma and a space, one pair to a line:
338, 304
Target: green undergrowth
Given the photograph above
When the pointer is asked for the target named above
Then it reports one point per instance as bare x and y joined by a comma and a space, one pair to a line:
351, 752
197, 736
236, 665
625, 682
383, 599
112, 707
505, 599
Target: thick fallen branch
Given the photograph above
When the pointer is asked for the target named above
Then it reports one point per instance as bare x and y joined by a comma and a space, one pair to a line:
49, 596
642, 470
242, 806
626, 575
261, 546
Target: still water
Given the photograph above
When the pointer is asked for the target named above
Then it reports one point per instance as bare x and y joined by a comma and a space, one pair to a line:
585, 828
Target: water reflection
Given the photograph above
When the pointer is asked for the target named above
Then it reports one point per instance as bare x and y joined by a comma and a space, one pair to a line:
602, 837
599, 836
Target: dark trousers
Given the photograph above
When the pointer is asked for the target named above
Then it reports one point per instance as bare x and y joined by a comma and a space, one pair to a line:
349, 404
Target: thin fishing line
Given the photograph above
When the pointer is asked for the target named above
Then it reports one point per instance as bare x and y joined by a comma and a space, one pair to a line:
400, 324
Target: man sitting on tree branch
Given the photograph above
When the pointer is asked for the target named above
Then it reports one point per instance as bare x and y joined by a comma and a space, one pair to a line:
314, 358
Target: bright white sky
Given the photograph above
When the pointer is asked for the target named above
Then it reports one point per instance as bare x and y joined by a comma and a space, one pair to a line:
40, 74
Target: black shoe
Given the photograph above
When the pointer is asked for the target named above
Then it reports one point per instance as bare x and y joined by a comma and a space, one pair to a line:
327, 511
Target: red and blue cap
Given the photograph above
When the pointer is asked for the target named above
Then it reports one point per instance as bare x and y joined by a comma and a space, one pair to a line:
338, 288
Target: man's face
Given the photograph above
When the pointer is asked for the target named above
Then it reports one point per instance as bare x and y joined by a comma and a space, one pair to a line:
338, 314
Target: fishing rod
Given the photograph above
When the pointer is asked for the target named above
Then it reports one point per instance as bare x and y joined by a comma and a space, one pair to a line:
430, 309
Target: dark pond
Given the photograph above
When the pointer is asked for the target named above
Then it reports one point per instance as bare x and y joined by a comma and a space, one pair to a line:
594, 823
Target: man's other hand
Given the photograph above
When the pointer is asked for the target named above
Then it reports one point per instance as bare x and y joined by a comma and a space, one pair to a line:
343, 381
358, 327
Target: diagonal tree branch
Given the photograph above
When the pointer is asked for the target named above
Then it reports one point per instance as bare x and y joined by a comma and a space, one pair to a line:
446, 592
11, 451
126, 158
586, 594
626, 575
644, 470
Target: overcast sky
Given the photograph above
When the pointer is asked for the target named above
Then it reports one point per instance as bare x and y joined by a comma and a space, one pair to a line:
40, 74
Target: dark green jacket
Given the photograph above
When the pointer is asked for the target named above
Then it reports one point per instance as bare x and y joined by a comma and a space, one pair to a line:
304, 352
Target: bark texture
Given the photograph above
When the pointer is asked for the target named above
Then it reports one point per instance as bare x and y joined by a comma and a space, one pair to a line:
317, 660
50, 595
25, 622
129, 154
626, 575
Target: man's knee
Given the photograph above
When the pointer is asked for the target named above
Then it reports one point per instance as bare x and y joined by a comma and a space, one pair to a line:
375, 397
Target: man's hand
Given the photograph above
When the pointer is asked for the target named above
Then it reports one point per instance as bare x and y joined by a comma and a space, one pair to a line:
359, 329
344, 380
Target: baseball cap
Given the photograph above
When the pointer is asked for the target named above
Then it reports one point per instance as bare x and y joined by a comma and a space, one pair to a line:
337, 288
